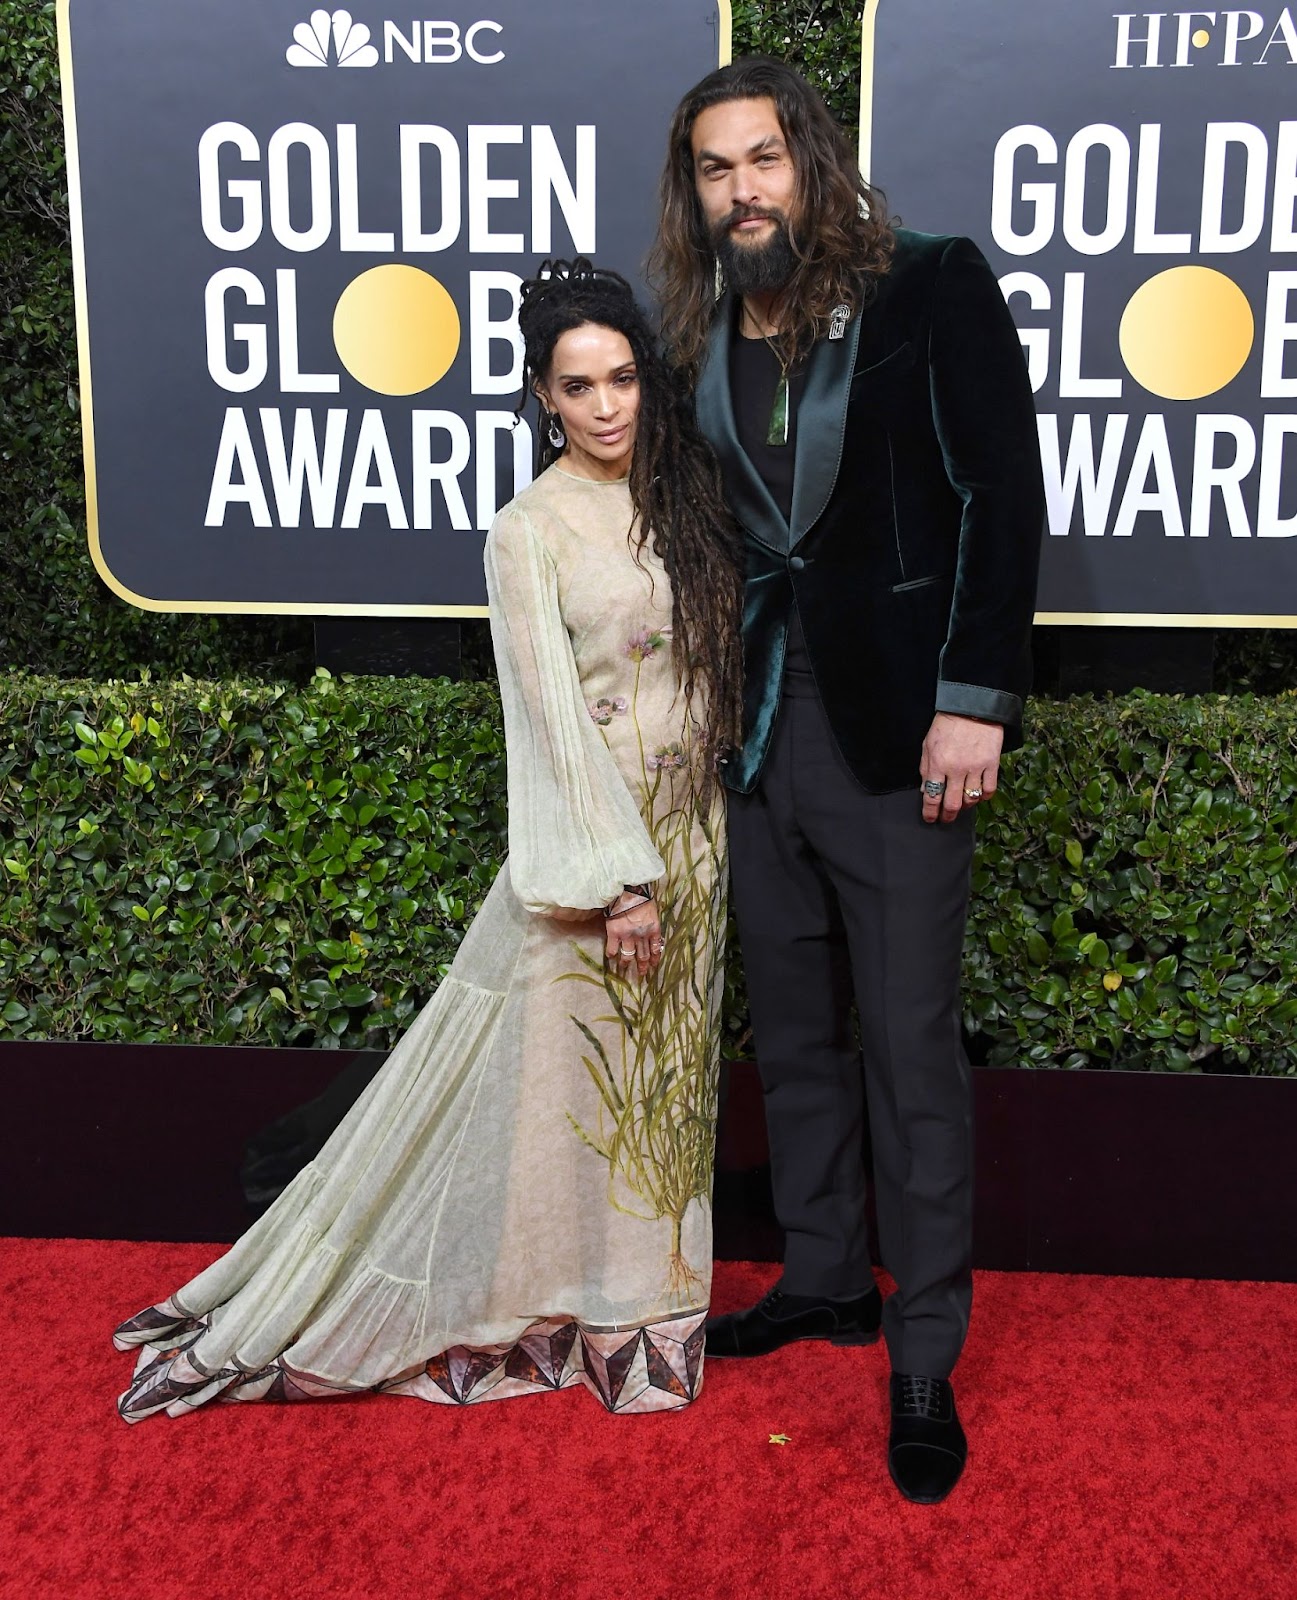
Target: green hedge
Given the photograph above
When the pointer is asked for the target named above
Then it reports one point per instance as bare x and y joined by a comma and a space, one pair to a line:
1133, 897
246, 863
238, 862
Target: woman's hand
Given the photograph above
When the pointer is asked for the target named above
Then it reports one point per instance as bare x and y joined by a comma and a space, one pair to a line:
633, 938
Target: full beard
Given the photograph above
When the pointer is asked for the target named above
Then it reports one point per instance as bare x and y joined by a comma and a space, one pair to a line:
755, 268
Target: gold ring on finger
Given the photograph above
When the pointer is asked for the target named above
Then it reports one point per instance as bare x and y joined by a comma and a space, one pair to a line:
972, 794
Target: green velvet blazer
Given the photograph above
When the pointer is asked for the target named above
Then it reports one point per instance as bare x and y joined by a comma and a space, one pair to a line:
917, 517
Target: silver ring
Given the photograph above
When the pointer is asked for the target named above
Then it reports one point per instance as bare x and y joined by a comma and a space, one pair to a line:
626, 954
972, 794
934, 788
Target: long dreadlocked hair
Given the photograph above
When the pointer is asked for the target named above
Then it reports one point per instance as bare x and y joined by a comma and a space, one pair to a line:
675, 487
839, 230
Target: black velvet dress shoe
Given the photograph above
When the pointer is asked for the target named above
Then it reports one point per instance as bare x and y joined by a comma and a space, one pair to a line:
782, 1319
927, 1448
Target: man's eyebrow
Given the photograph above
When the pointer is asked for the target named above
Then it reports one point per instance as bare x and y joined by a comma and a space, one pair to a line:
753, 149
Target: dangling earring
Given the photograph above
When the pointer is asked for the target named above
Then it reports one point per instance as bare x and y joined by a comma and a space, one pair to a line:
556, 435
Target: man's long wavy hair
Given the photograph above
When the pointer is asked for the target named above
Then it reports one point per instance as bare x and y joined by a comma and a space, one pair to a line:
675, 490
841, 236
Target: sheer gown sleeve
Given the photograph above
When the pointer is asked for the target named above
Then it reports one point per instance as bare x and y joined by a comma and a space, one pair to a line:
575, 832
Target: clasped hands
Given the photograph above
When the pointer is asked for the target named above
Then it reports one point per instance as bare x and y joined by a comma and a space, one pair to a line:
962, 754
633, 938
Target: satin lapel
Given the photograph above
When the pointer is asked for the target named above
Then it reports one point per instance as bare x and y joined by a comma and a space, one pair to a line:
750, 500
821, 427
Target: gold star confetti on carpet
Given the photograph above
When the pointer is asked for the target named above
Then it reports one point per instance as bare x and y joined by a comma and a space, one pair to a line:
780, 1438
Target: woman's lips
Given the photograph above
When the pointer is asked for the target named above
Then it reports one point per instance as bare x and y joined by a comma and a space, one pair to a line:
613, 436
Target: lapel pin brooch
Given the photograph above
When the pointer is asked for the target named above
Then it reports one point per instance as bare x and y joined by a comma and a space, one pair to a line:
838, 320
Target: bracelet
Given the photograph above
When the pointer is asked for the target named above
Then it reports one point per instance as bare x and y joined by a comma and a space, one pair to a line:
631, 905
643, 892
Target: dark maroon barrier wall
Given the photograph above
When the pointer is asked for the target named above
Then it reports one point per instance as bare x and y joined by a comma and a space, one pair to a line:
1076, 1172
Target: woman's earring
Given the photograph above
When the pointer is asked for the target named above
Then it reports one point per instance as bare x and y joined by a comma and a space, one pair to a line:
556, 435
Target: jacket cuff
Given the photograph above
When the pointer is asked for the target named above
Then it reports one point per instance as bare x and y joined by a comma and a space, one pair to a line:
971, 700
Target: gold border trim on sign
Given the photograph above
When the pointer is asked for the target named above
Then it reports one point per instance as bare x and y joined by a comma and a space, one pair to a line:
1163, 619
866, 147
725, 21
1091, 619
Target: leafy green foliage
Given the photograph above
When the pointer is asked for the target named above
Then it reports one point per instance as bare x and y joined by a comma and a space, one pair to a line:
238, 863
244, 863
820, 39
1134, 887
1259, 660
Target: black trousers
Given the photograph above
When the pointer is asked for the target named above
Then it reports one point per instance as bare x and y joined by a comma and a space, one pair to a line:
844, 895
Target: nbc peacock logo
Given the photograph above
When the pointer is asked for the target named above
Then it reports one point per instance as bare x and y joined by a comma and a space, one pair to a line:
349, 41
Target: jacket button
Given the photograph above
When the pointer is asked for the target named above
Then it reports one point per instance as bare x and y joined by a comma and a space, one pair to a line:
796, 563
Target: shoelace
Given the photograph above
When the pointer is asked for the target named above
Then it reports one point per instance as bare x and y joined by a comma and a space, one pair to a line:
920, 1397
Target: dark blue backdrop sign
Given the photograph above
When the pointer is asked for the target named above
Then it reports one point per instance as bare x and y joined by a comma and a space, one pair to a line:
1133, 179
299, 238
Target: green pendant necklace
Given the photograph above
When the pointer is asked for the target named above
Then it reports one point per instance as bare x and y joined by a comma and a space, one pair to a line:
777, 431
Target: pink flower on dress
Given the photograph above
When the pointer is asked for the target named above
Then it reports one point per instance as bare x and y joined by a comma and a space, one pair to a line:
640, 646
604, 710
666, 758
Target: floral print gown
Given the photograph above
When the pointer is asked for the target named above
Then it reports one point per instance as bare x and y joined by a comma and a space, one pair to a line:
519, 1200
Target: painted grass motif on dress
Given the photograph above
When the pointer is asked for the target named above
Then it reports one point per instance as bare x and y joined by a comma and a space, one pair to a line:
655, 1077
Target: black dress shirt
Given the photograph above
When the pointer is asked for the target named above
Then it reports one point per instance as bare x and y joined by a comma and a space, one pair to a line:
754, 378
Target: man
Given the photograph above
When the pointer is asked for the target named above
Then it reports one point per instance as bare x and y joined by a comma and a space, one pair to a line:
865, 391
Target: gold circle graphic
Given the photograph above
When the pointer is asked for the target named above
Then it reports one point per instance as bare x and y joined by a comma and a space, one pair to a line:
1202, 38
396, 329
1186, 333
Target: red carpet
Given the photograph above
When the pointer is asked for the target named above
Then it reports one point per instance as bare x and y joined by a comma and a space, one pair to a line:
1129, 1437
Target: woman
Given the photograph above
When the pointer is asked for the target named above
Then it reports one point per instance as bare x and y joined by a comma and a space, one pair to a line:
518, 1202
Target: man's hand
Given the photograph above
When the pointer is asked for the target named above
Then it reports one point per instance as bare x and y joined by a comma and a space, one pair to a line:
964, 754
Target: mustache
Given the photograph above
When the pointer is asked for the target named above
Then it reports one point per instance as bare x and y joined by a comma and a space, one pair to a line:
750, 214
